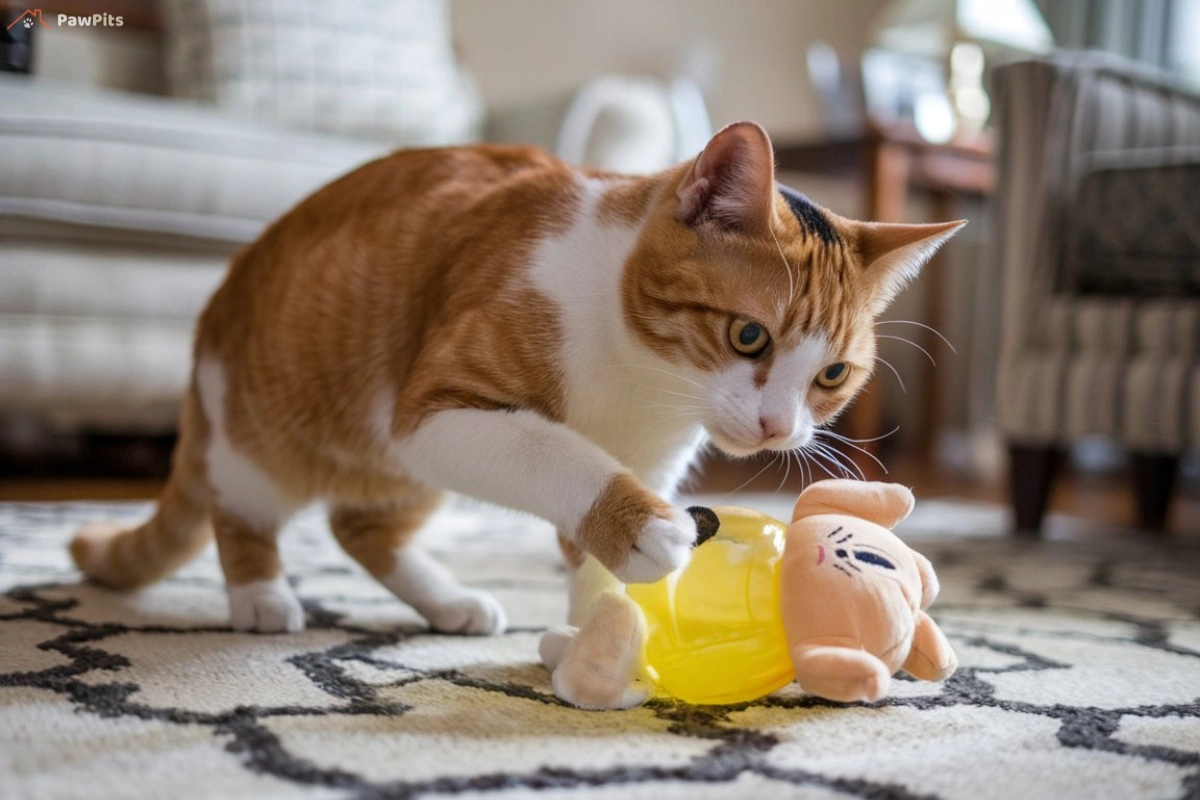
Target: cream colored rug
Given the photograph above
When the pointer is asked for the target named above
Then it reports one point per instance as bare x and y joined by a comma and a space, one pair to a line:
1080, 678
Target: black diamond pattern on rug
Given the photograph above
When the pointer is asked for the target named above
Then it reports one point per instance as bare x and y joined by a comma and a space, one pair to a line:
1080, 678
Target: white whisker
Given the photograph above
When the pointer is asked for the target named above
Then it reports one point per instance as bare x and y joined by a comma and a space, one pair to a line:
654, 369
862, 450
842, 438
668, 391
802, 460
929, 328
888, 364
787, 463
749, 480
672, 407
837, 456
786, 268
908, 341
663, 420
817, 460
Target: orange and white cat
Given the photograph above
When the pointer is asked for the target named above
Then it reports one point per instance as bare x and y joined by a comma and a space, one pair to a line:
491, 321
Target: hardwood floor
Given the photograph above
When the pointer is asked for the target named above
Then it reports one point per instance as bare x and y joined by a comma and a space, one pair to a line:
1104, 500
1100, 500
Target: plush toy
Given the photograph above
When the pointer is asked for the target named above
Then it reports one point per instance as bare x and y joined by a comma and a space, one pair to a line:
834, 601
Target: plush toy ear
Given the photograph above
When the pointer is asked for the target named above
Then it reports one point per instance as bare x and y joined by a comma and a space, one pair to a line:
732, 182
929, 581
893, 254
884, 504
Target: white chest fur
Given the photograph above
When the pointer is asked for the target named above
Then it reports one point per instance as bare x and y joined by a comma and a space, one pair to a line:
640, 409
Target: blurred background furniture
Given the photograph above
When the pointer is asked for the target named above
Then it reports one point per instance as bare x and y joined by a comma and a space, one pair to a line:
120, 208
887, 162
1096, 230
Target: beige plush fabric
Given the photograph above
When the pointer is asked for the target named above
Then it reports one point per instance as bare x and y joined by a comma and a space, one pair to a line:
1079, 678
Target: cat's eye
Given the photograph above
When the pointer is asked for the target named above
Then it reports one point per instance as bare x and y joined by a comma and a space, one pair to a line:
748, 338
833, 375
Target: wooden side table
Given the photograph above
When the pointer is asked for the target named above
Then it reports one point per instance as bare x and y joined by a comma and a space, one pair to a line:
889, 161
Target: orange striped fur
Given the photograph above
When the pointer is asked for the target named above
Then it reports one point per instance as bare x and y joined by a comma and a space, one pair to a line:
492, 321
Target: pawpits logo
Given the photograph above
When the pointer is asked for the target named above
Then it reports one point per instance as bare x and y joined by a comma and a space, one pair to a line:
28, 18
33, 16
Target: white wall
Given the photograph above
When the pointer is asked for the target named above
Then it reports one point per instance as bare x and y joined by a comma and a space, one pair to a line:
752, 52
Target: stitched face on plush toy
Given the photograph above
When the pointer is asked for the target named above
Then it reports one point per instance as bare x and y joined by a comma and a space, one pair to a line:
865, 566
848, 556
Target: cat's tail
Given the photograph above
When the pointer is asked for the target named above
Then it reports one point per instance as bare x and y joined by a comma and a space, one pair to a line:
127, 558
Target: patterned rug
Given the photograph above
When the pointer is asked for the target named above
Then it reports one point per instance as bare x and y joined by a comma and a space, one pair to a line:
1080, 678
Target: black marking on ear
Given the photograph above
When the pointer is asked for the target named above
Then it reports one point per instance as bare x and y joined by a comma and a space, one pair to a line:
810, 217
707, 523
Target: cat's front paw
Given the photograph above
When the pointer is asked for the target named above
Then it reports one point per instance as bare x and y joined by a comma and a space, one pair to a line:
661, 547
635, 533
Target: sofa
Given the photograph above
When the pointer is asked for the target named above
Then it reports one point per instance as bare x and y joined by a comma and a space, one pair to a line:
1096, 232
119, 210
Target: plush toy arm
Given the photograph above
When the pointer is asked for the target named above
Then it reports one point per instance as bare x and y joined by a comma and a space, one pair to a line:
931, 657
841, 671
590, 581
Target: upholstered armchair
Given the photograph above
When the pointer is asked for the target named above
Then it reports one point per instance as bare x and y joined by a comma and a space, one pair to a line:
1096, 231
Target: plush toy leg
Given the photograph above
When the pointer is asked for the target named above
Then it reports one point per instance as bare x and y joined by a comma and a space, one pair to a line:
931, 657
845, 674
598, 666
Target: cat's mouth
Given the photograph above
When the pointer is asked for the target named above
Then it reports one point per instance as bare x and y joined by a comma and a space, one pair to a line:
732, 445
739, 447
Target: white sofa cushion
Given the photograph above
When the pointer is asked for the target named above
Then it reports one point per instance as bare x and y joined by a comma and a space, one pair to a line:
95, 334
377, 69
102, 280
84, 159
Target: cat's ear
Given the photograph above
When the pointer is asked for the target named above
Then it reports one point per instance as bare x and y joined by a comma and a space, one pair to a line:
732, 181
893, 254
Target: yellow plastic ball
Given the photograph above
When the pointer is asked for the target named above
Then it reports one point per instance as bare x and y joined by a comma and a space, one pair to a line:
714, 630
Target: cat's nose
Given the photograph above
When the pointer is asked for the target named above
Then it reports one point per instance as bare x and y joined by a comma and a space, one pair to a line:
773, 427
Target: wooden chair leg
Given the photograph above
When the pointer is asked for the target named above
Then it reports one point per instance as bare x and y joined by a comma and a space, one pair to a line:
1154, 477
1032, 469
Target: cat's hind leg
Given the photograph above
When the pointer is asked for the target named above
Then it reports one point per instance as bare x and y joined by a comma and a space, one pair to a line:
380, 538
260, 598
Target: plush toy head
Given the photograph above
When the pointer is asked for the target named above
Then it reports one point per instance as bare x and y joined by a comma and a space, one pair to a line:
854, 596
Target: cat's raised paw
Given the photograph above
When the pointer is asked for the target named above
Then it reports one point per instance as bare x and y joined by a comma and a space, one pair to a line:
265, 607
471, 612
662, 546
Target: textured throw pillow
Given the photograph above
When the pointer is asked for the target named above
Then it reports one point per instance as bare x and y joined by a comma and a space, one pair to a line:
377, 69
1134, 225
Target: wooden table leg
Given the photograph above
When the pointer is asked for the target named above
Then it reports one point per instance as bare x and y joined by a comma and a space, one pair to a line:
929, 423
887, 172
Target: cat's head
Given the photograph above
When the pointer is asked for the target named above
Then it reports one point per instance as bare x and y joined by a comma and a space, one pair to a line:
765, 300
